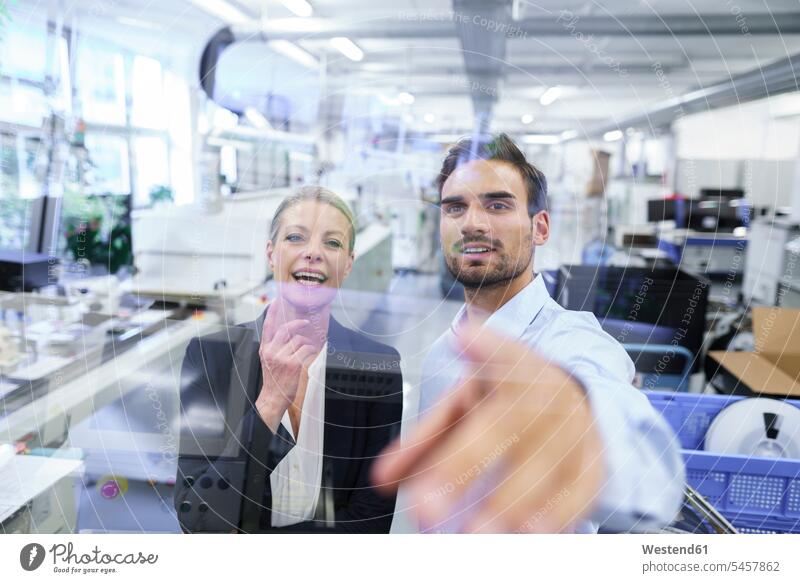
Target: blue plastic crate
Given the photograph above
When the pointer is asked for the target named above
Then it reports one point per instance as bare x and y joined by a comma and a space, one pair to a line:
755, 494
690, 415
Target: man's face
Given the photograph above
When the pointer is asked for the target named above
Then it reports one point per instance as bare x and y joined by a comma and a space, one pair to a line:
487, 234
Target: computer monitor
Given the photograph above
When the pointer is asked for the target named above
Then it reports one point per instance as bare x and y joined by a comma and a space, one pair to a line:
641, 305
711, 214
721, 193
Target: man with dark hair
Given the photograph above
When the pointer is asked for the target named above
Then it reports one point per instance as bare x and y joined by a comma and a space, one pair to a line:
497, 156
530, 421
500, 148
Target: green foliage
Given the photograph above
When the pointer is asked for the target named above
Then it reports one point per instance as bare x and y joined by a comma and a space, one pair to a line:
97, 229
160, 194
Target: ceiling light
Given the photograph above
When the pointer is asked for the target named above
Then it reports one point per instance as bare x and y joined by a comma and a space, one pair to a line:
550, 95
527, 118
540, 139
140, 23
568, 135
429, 118
405, 97
389, 101
299, 7
223, 10
445, 138
347, 47
292, 51
612, 136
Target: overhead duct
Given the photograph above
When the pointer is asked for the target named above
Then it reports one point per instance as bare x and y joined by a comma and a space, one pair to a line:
782, 76
482, 27
215, 46
558, 24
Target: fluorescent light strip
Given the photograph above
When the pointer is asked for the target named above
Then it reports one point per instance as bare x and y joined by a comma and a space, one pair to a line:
612, 136
347, 47
300, 8
540, 139
256, 118
292, 51
223, 10
550, 95
140, 23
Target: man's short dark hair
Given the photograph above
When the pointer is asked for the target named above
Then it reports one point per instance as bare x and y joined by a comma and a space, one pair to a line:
497, 147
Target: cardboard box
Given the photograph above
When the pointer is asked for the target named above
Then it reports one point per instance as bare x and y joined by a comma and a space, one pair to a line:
774, 367
597, 183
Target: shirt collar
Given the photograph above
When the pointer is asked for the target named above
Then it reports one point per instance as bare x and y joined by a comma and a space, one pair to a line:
513, 317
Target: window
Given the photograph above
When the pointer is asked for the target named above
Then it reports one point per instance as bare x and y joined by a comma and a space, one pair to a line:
111, 169
152, 169
101, 84
22, 103
30, 165
14, 210
148, 110
138, 124
29, 63
178, 98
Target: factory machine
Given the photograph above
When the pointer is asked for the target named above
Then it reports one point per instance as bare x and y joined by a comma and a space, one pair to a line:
711, 232
772, 276
217, 259
64, 367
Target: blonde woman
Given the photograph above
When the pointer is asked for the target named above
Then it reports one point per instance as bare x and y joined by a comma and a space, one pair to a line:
321, 400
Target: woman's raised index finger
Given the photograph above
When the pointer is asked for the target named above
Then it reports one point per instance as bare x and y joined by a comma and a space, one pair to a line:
270, 327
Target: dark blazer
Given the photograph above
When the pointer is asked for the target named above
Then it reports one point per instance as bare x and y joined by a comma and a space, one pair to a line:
228, 452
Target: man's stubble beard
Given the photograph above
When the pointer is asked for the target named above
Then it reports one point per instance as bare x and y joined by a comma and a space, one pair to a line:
497, 274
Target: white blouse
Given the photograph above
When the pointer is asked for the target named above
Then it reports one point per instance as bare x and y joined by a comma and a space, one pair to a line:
296, 479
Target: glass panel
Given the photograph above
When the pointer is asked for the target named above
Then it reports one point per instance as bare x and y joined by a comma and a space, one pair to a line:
101, 81
109, 157
29, 63
21, 103
179, 104
20, 156
151, 167
31, 164
148, 94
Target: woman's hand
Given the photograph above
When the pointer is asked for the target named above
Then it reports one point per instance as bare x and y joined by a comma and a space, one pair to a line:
286, 350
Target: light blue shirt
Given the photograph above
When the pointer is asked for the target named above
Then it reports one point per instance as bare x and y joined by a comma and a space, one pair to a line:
644, 469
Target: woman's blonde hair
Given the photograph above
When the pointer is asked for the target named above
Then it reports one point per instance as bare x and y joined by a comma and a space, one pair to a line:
317, 194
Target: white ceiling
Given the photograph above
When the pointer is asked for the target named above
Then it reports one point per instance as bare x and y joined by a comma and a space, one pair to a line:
432, 67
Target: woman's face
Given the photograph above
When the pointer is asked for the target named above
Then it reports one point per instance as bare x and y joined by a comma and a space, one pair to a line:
311, 255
